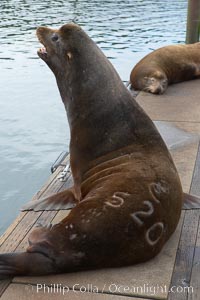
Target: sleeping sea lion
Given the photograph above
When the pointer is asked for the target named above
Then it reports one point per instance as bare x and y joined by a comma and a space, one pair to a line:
127, 190
164, 66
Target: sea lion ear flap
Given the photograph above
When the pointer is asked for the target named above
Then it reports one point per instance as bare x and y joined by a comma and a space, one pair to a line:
69, 55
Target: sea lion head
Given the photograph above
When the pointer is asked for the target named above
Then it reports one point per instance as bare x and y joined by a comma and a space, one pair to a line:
155, 83
59, 45
75, 60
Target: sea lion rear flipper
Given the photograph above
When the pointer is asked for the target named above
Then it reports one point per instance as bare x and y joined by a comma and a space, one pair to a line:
190, 201
13, 264
62, 200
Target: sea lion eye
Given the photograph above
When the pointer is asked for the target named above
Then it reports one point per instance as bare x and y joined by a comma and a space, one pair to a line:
69, 55
54, 37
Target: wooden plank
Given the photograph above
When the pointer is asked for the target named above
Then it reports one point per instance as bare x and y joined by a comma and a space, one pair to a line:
25, 221
39, 194
180, 103
12, 227
47, 216
184, 159
43, 220
191, 202
12, 242
195, 277
184, 258
23, 214
16, 236
3, 286
31, 292
182, 139
60, 216
193, 16
195, 186
154, 273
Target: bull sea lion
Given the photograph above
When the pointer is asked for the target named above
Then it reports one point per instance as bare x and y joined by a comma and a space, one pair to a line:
126, 188
164, 66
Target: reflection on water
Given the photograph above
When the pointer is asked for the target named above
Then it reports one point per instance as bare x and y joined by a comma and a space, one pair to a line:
33, 127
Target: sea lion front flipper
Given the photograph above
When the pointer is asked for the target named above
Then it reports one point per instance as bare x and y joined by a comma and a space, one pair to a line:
62, 200
13, 264
190, 201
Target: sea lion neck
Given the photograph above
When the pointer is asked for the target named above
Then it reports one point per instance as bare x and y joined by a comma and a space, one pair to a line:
82, 71
88, 77
88, 83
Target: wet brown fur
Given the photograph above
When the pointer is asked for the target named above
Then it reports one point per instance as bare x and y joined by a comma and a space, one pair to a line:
126, 186
164, 66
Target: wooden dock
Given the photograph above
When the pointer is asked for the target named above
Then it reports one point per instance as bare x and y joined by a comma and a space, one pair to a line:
175, 272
